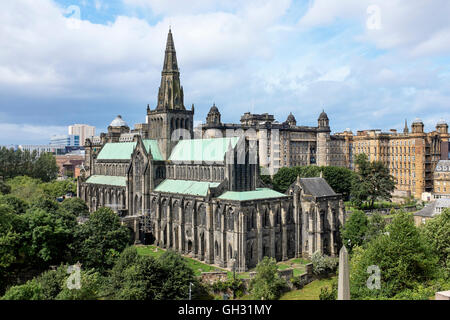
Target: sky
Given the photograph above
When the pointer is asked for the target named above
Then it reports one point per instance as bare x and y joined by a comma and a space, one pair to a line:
368, 64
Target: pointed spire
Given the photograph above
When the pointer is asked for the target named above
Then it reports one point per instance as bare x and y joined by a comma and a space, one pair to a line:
170, 58
170, 95
406, 130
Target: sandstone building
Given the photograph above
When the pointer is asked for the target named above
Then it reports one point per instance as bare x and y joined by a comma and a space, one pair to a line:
410, 156
282, 144
203, 197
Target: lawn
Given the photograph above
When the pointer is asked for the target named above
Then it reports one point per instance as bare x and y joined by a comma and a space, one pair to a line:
309, 292
298, 264
197, 266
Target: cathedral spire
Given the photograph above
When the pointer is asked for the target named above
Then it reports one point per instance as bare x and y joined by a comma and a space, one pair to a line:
170, 95
405, 129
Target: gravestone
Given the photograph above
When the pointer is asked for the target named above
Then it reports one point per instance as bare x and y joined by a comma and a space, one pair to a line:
344, 281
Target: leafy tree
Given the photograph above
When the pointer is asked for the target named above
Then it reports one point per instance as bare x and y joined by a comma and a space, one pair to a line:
177, 277
375, 226
99, 241
402, 255
354, 231
322, 264
267, 284
437, 233
75, 206
4, 188
45, 167
31, 290
372, 181
59, 188
19, 205
48, 236
339, 179
26, 188
91, 284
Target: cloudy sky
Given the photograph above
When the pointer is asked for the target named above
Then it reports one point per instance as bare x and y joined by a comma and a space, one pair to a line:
369, 64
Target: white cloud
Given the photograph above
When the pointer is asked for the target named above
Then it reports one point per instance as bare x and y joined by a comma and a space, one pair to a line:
418, 27
28, 133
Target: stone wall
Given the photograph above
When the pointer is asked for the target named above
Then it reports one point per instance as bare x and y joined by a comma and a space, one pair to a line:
212, 277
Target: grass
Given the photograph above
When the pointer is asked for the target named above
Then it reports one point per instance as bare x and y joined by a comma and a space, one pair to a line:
197, 266
309, 292
298, 264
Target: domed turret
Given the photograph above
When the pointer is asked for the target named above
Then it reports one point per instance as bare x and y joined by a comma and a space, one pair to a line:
118, 122
442, 126
291, 120
323, 120
213, 117
417, 126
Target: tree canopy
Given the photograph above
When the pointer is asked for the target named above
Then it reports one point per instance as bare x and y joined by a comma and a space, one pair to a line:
372, 181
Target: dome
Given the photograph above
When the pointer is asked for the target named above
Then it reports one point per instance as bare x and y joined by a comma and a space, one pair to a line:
441, 122
417, 120
323, 115
214, 109
291, 118
118, 122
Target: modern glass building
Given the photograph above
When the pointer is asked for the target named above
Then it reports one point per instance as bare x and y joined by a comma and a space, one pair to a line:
65, 140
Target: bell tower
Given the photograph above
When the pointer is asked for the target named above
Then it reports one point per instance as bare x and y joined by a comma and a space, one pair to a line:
170, 120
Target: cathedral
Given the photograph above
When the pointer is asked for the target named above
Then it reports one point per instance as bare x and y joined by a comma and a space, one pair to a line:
203, 197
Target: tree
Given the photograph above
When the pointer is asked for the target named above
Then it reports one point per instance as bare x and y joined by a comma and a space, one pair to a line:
75, 206
177, 277
375, 227
372, 181
31, 290
45, 167
267, 284
339, 179
437, 233
4, 188
47, 236
354, 231
19, 205
402, 255
99, 241
136, 277
322, 264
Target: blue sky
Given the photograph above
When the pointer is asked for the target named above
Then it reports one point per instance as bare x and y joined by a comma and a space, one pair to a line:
369, 64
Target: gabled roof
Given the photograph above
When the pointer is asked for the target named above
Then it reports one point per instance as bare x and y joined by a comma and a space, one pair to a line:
108, 180
196, 188
117, 151
317, 187
259, 193
123, 150
213, 149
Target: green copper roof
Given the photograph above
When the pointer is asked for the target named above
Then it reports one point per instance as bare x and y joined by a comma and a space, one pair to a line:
108, 180
196, 188
259, 193
202, 149
152, 146
117, 151
123, 150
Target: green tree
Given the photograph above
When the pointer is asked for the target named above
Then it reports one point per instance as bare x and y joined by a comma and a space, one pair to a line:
45, 167
75, 206
372, 181
19, 205
375, 227
26, 188
402, 255
99, 241
354, 231
267, 284
48, 236
177, 276
437, 233
31, 290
